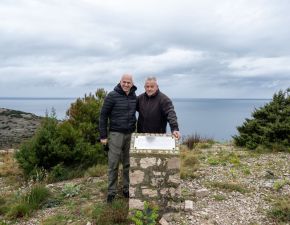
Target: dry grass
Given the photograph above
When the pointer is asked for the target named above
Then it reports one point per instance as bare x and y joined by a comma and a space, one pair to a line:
229, 186
96, 171
8, 165
195, 140
189, 163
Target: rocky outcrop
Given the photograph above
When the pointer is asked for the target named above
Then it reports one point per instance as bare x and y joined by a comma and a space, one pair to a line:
16, 126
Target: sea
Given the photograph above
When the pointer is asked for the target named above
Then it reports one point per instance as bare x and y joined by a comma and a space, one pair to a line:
209, 118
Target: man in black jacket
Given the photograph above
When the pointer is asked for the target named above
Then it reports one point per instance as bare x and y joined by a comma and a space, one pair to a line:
119, 110
155, 110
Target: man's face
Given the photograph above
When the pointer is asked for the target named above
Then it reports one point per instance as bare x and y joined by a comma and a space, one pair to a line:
150, 87
126, 83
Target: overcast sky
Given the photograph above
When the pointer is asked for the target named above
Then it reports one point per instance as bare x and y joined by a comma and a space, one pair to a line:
195, 48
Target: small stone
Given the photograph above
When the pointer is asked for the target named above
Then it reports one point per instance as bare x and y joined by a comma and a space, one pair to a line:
163, 221
174, 178
188, 205
202, 193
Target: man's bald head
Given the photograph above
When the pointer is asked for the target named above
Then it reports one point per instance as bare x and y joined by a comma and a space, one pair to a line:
126, 82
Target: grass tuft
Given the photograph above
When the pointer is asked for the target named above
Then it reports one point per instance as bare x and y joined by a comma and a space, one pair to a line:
107, 214
280, 211
23, 206
196, 140
9, 166
97, 171
189, 164
229, 186
219, 197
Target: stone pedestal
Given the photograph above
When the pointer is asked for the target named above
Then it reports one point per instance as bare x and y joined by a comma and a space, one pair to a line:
155, 172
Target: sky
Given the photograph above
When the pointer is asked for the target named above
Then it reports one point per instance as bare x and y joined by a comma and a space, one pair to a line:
195, 48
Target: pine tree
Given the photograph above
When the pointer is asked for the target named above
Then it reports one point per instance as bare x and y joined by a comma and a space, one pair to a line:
270, 125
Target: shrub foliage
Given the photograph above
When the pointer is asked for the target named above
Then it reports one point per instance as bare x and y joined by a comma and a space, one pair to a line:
71, 143
269, 127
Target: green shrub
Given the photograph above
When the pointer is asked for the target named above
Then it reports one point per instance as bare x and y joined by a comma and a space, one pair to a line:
66, 143
270, 125
84, 115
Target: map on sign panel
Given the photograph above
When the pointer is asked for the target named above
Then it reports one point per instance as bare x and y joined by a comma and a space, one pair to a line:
154, 142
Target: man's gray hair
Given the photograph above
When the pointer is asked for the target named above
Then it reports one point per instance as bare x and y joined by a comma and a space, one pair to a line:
151, 78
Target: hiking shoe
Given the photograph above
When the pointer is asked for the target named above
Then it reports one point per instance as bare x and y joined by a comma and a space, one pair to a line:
110, 198
126, 194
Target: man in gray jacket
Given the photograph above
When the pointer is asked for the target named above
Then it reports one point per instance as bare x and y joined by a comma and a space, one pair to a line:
155, 110
119, 110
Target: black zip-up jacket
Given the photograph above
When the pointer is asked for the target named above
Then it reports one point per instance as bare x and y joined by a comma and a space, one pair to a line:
154, 113
120, 110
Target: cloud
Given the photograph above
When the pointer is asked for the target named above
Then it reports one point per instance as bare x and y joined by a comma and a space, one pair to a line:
195, 48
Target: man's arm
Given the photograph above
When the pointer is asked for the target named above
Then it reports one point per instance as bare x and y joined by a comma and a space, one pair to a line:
169, 112
104, 116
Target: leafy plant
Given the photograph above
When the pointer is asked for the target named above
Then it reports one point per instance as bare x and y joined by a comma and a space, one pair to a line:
147, 216
71, 190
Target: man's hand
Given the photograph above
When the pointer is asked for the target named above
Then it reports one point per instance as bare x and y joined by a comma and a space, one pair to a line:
104, 141
176, 134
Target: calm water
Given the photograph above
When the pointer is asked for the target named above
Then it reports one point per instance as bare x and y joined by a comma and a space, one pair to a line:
213, 118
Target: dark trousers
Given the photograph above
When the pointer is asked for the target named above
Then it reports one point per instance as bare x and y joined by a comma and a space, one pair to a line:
119, 147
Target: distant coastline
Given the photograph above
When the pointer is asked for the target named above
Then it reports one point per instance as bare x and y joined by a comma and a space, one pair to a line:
38, 98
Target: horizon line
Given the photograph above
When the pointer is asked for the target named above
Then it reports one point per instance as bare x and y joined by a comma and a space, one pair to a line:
173, 98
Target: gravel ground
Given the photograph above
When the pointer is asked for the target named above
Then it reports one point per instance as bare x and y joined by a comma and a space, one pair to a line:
257, 175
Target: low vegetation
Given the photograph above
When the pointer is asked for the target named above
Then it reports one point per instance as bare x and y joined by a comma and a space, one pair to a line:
189, 163
228, 186
280, 210
197, 141
22, 205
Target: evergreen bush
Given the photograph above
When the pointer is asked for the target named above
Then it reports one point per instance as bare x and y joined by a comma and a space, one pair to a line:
269, 127
67, 145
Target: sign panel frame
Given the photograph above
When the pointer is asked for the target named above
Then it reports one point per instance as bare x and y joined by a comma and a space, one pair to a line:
154, 143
